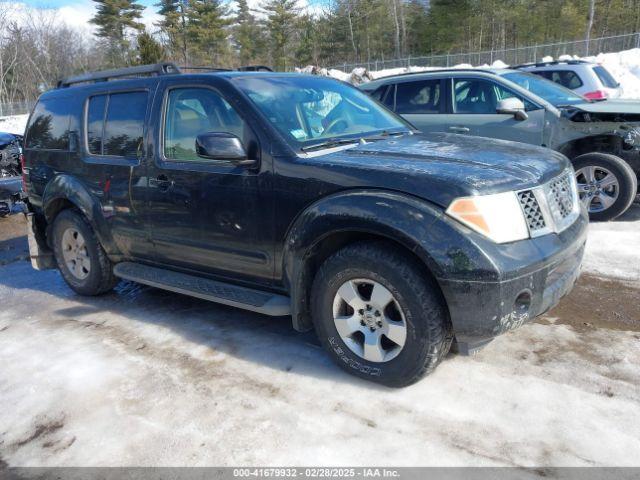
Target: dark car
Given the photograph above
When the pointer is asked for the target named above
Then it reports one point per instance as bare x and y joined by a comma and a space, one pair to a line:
10, 149
297, 195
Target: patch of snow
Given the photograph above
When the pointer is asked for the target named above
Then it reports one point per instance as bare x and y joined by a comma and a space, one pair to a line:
14, 124
612, 247
624, 66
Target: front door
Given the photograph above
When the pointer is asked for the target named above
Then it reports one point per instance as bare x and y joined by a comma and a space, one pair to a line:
210, 216
473, 106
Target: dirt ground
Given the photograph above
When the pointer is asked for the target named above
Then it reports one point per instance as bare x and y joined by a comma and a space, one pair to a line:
141, 376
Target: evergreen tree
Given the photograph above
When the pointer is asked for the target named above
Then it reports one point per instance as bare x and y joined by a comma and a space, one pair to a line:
247, 34
282, 16
149, 50
305, 52
174, 27
115, 19
207, 31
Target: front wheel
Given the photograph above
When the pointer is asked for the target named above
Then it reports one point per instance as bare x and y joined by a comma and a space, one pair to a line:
606, 184
378, 315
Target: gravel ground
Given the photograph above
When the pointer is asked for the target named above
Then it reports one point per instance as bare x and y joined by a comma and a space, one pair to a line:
145, 377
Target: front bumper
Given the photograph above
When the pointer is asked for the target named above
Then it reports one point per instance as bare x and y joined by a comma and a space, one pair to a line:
533, 276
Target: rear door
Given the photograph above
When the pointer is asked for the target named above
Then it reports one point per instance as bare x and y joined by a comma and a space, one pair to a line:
112, 153
472, 110
212, 216
422, 102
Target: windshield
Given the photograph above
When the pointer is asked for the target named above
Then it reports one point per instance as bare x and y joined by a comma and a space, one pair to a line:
551, 92
311, 111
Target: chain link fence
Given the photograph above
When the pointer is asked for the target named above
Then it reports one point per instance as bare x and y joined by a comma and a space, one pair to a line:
15, 108
510, 56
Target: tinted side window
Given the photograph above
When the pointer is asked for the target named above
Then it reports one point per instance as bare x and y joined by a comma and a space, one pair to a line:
418, 97
192, 111
95, 123
125, 124
117, 131
379, 92
566, 78
49, 125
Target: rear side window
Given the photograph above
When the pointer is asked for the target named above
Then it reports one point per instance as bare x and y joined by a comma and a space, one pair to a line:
49, 125
566, 78
605, 77
115, 124
418, 97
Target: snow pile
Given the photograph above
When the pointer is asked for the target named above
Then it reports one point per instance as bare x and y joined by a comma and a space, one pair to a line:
624, 66
14, 124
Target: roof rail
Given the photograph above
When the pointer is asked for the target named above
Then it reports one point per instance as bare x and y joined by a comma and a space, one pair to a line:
186, 68
553, 62
166, 68
255, 68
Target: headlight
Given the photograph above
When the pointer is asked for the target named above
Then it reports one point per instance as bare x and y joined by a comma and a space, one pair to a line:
498, 216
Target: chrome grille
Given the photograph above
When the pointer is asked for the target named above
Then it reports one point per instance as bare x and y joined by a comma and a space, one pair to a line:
532, 211
560, 197
551, 207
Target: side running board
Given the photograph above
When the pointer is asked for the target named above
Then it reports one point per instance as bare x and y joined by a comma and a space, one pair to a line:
255, 300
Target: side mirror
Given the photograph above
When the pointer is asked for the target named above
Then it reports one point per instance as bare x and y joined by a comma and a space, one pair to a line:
222, 146
512, 106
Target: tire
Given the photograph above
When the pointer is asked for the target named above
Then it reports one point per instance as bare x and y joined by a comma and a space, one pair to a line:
416, 304
592, 194
93, 274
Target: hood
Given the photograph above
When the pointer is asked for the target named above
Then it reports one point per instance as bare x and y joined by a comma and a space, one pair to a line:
611, 106
441, 167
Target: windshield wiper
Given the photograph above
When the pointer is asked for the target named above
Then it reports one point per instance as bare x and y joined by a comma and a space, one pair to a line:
383, 136
330, 144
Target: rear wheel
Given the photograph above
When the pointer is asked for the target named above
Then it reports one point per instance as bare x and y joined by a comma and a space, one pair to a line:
81, 259
606, 184
379, 316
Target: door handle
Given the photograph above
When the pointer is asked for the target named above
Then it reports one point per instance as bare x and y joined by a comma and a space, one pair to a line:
459, 129
162, 182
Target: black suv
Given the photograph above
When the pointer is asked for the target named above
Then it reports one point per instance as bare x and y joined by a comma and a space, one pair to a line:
297, 195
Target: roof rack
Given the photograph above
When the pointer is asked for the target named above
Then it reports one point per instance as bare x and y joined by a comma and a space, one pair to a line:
255, 68
185, 68
553, 62
104, 75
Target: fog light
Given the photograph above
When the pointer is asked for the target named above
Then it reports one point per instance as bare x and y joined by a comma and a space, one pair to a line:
523, 302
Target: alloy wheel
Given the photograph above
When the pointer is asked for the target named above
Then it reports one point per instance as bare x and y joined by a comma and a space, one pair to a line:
369, 320
598, 188
75, 254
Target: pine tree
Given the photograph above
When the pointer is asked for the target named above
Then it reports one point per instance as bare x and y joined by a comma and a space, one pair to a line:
149, 50
115, 19
282, 16
247, 35
174, 27
207, 31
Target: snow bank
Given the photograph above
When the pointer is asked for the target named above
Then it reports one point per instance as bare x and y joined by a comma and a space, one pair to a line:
14, 124
624, 66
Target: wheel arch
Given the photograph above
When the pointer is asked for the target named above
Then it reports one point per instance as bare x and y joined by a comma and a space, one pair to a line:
597, 143
64, 192
349, 217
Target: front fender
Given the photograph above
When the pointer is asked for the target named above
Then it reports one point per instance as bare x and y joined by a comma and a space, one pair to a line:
417, 225
66, 188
